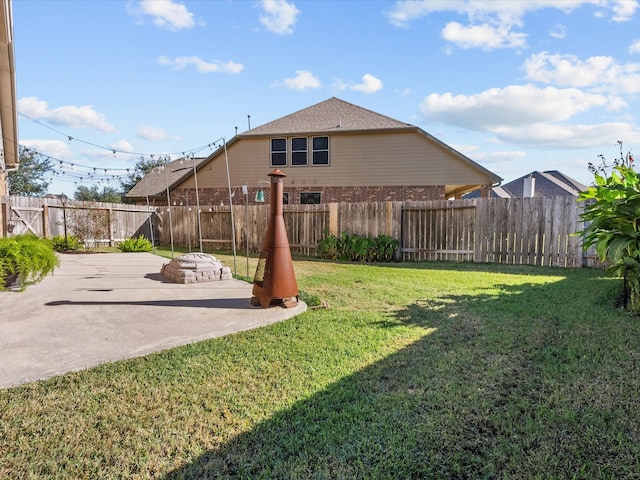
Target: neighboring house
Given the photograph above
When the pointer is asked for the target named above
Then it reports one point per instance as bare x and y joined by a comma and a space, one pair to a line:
8, 103
551, 183
332, 151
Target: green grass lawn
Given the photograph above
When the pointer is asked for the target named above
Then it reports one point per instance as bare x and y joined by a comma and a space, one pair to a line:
425, 370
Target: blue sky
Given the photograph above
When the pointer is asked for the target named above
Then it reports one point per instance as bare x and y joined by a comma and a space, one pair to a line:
515, 85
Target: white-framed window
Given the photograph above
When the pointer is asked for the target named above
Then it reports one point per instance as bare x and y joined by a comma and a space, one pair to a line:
320, 152
278, 152
299, 152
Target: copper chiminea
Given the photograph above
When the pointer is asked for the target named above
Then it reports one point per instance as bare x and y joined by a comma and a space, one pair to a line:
274, 282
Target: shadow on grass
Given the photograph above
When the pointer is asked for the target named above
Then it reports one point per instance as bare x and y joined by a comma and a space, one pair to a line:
490, 392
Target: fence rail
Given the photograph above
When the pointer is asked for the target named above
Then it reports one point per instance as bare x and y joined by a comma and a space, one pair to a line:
527, 231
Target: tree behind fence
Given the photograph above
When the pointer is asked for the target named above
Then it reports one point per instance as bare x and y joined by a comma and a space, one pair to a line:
527, 231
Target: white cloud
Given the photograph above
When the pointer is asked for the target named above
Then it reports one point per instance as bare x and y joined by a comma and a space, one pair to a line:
216, 66
122, 146
569, 136
559, 31
624, 10
278, 16
491, 23
600, 72
529, 116
635, 46
69, 116
52, 148
165, 13
406, 11
370, 84
153, 133
339, 84
303, 80
514, 105
567, 70
483, 36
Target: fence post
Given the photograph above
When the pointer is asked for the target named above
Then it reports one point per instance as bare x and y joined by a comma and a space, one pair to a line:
333, 219
45, 220
111, 239
5, 215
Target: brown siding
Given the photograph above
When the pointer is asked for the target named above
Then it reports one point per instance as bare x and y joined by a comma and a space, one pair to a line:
356, 160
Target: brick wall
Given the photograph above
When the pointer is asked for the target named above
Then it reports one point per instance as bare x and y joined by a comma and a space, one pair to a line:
217, 196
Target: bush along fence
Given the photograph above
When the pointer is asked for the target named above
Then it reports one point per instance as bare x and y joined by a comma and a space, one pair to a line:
525, 231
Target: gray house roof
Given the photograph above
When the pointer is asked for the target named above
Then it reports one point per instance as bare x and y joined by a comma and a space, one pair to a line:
550, 183
154, 183
330, 116
337, 116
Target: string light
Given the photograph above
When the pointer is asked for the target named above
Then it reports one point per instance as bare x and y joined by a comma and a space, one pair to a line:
72, 172
64, 171
115, 150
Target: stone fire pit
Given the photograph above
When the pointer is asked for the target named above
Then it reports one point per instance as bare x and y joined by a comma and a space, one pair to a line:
195, 268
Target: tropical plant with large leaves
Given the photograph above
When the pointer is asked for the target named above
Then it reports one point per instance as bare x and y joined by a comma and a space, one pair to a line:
612, 222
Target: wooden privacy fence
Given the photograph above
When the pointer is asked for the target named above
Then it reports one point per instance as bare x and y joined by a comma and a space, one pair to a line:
523, 231
527, 231
47, 217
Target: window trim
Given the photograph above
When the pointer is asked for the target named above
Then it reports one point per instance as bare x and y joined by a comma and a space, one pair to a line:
272, 152
306, 152
309, 153
313, 151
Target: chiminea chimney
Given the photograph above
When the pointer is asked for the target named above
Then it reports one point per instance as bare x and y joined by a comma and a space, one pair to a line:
275, 282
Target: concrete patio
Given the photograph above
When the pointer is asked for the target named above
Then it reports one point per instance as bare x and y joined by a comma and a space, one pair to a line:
99, 308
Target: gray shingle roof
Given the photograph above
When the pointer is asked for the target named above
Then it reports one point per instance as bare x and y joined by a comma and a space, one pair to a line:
332, 115
550, 183
156, 182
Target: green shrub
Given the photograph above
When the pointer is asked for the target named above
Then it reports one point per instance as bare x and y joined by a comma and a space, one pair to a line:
138, 244
612, 222
60, 244
27, 256
328, 247
385, 248
310, 299
355, 248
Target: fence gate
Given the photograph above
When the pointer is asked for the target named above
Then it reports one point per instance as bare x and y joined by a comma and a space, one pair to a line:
439, 230
24, 219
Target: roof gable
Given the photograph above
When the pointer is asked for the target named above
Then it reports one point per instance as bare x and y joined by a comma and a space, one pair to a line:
154, 183
332, 115
550, 183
